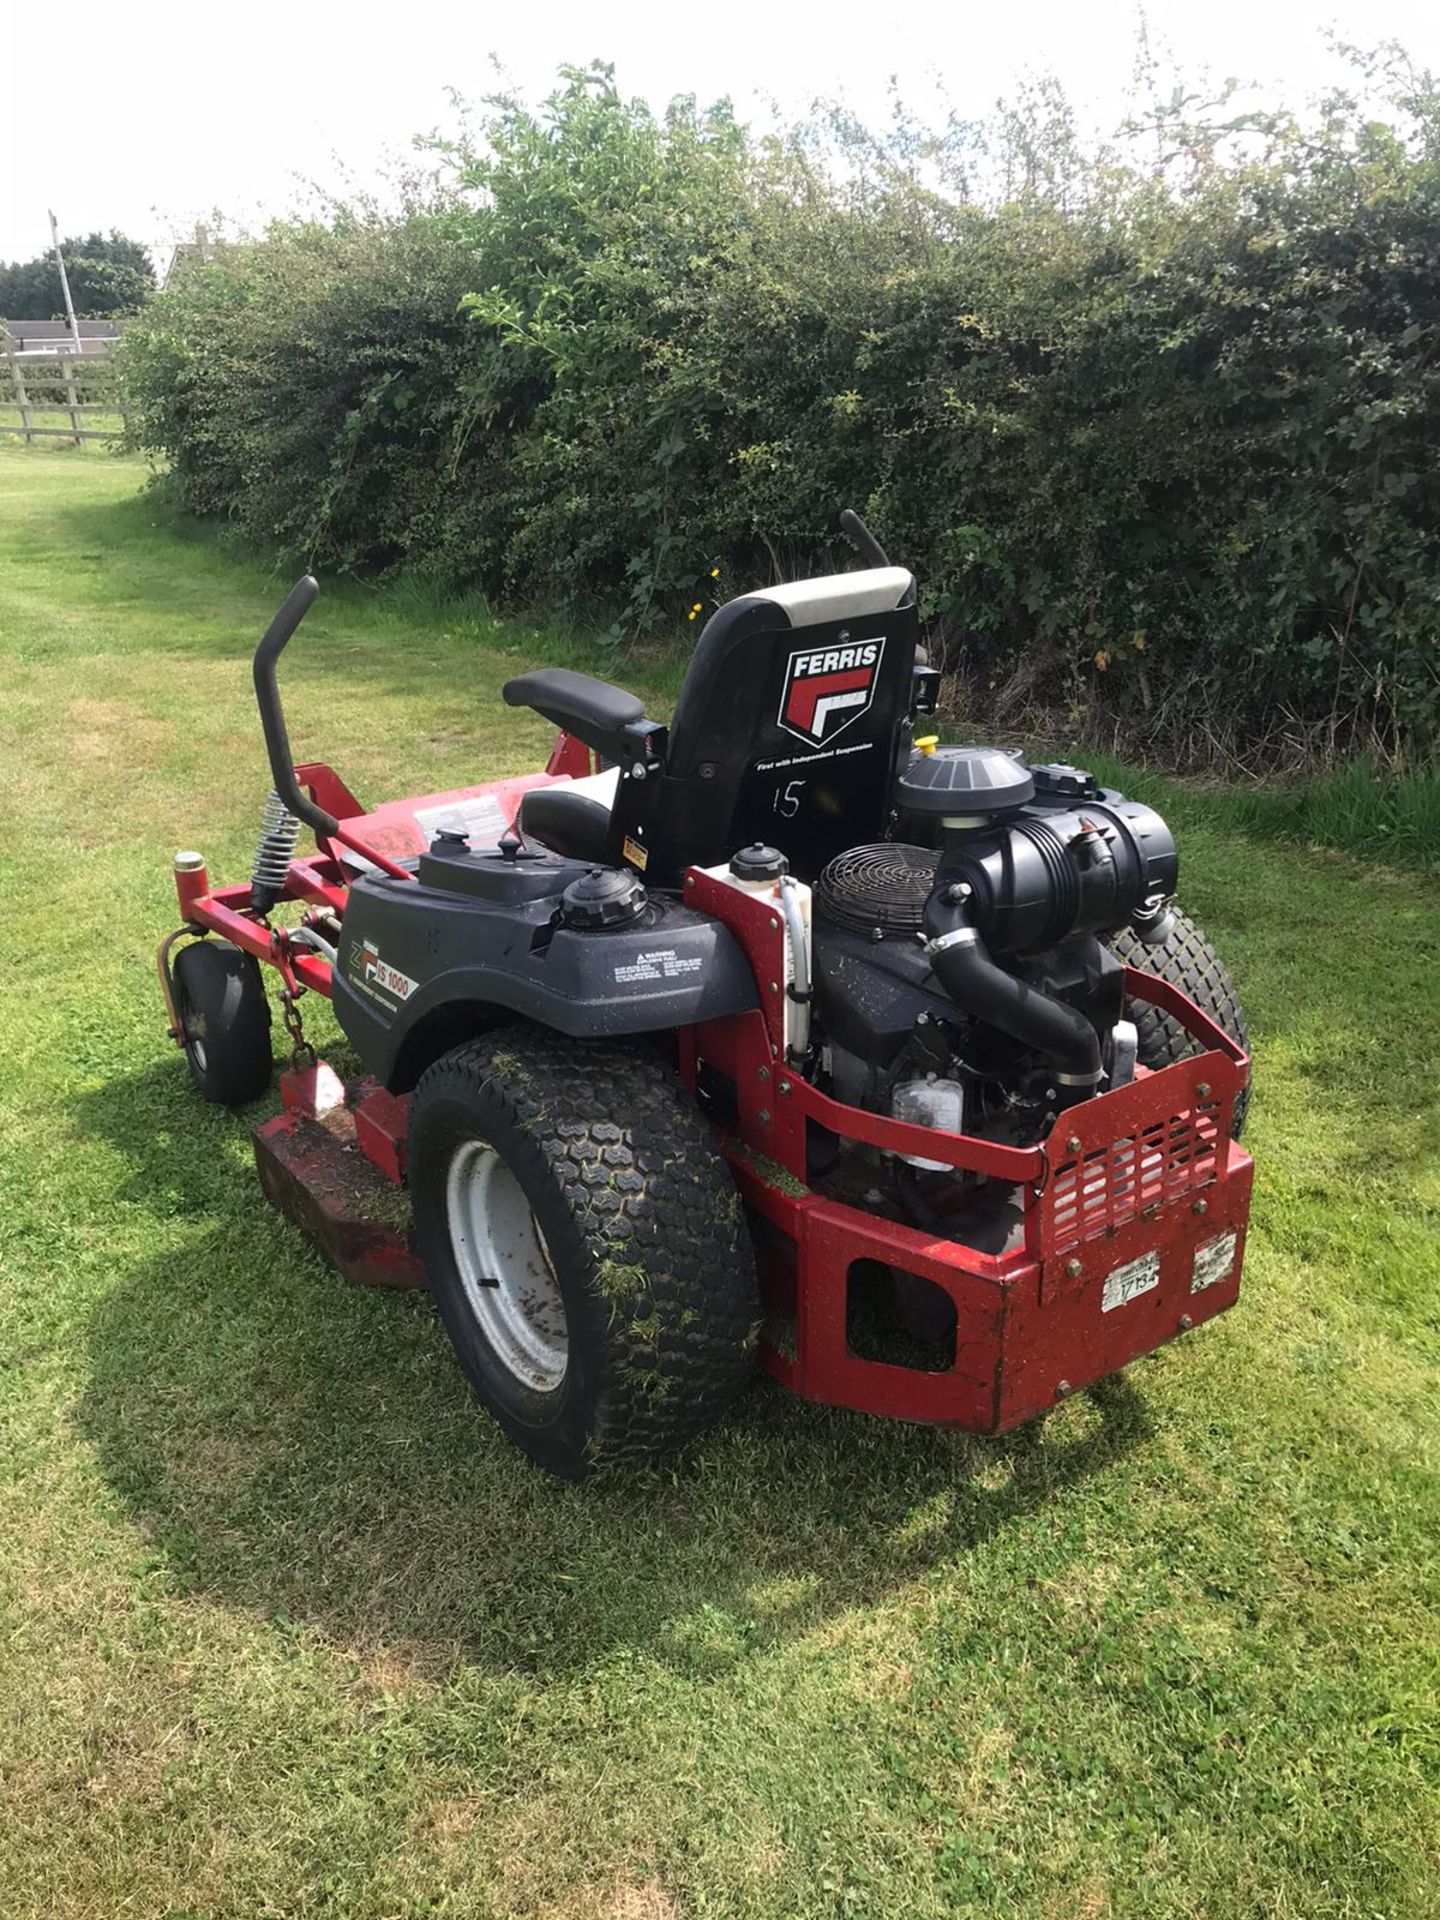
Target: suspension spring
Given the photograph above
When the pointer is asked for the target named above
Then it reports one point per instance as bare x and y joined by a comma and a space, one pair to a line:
279, 830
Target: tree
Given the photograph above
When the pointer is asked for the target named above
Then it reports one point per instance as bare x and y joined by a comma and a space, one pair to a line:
109, 274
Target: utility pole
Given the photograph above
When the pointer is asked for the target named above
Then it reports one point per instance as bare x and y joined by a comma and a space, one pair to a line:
64, 283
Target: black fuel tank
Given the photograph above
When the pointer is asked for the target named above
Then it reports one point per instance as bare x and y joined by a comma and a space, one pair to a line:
413, 953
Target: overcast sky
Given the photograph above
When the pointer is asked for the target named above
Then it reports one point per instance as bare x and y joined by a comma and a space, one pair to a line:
155, 114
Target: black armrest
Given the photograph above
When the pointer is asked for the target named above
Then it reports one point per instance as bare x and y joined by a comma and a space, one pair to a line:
574, 700
606, 718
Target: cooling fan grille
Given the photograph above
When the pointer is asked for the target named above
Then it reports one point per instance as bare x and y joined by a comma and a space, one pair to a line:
883, 886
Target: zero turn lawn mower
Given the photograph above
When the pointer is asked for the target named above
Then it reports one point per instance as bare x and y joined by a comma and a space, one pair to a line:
773, 1032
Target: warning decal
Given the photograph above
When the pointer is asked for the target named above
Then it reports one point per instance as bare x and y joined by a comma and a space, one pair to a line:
664, 964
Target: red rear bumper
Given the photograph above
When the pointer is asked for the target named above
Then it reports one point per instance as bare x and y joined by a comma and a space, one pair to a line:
1137, 1238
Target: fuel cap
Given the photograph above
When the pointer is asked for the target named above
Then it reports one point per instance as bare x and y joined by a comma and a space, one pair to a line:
603, 897
758, 862
1067, 782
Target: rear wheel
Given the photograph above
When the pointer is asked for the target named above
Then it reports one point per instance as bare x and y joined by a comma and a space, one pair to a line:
225, 1019
1188, 961
585, 1246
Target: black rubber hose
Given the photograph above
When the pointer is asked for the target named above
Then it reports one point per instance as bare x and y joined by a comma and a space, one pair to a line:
298, 603
977, 986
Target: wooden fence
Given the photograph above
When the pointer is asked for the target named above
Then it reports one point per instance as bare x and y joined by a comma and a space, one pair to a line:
79, 388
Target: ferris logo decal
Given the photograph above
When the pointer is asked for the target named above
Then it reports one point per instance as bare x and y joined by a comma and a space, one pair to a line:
828, 687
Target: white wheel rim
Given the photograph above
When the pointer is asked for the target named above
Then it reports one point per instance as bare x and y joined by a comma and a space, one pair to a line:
505, 1267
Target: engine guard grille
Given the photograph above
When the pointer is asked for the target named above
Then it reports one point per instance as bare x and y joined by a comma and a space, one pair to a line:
1107, 1186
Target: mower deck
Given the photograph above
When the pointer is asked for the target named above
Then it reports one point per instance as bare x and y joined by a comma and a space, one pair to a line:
333, 1162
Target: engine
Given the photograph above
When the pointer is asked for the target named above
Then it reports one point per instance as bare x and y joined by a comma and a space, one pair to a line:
962, 978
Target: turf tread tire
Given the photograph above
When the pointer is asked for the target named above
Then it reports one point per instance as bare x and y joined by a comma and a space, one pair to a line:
645, 1230
1188, 961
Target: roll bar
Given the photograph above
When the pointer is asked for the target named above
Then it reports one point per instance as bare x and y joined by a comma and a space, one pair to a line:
278, 635
861, 538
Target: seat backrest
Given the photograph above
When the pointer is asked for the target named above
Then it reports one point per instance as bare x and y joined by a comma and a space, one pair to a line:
787, 728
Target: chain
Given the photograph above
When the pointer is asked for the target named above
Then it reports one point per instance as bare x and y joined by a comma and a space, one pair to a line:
302, 1053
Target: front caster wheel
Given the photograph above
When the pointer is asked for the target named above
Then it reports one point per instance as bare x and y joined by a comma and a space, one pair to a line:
225, 1018
585, 1246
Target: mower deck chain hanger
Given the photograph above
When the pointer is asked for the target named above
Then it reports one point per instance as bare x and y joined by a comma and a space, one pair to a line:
774, 1033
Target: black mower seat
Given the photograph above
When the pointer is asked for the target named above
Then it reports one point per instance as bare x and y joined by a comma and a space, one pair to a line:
568, 823
786, 729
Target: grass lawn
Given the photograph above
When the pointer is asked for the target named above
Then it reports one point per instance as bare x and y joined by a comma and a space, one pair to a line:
285, 1629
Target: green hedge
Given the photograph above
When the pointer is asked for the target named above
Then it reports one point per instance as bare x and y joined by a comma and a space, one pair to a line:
1159, 444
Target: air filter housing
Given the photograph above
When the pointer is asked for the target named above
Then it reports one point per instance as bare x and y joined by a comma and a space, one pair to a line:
964, 783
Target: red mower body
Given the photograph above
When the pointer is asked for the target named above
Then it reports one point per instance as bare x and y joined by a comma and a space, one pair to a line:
1123, 1228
